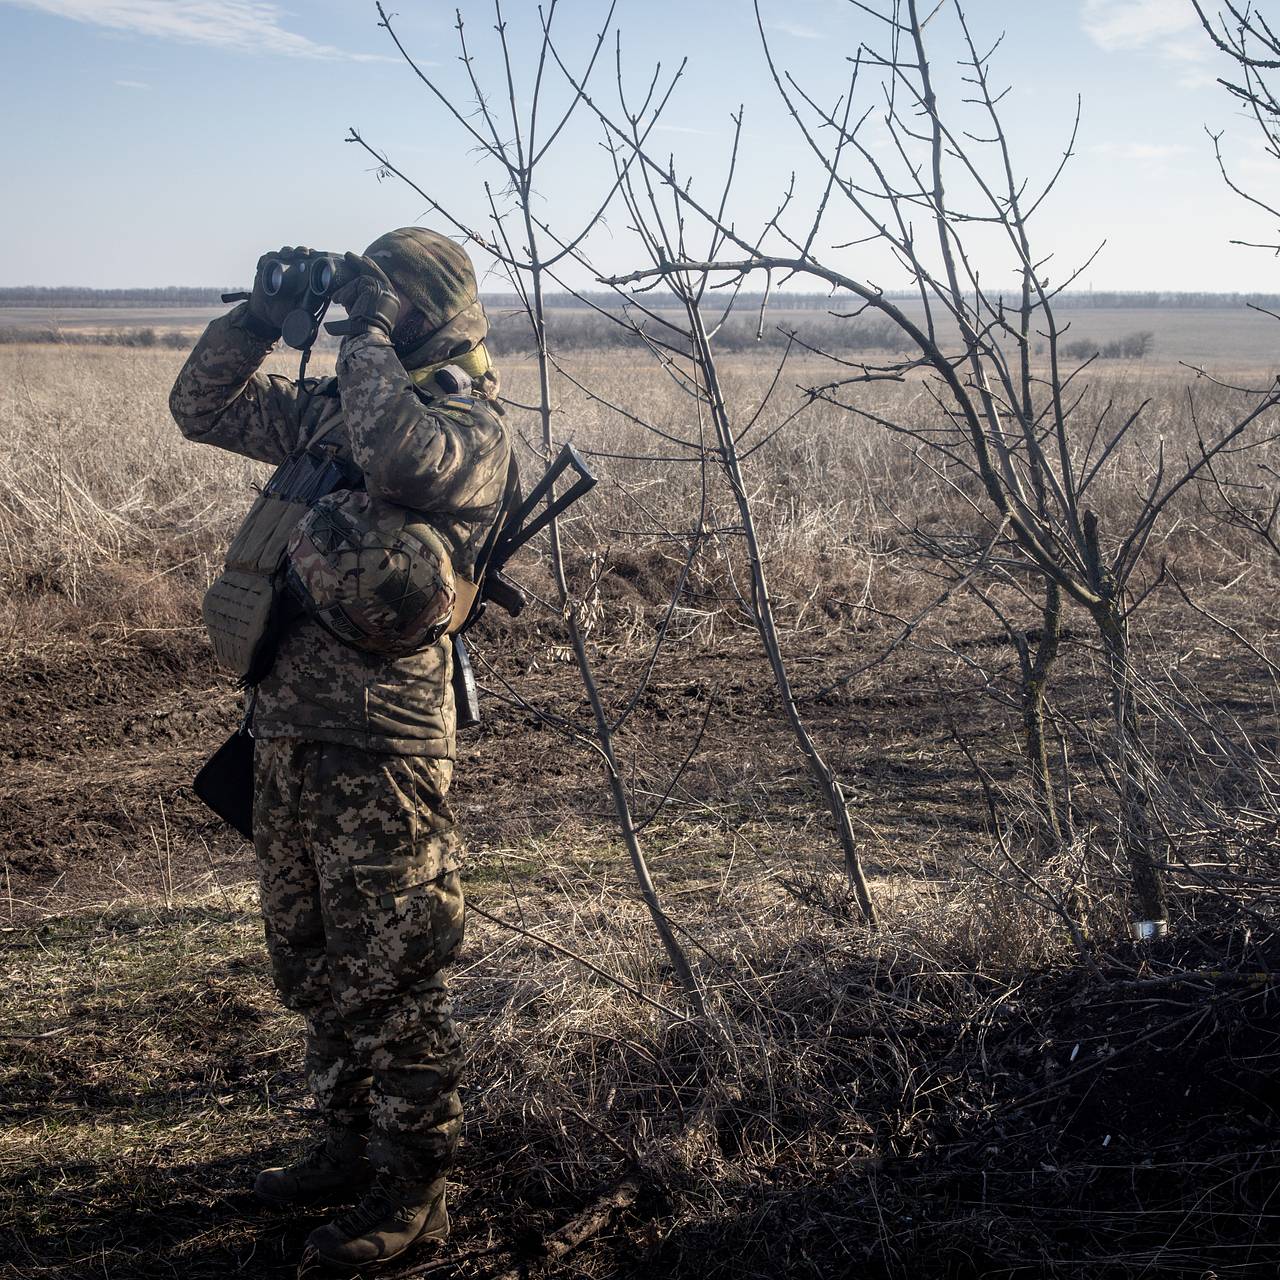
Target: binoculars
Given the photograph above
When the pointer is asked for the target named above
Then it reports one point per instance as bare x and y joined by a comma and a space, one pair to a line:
315, 274
308, 280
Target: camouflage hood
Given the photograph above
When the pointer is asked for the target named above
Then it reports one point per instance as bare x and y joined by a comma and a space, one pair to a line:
437, 276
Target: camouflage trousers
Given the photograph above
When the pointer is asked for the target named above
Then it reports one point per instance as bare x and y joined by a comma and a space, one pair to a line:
358, 869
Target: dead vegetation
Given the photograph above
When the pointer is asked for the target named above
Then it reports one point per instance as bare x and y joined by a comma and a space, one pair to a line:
958, 1094
896, 722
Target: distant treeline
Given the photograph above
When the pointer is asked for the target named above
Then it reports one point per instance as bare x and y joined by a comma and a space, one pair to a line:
193, 296
172, 296
176, 339
590, 330
1160, 301
586, 331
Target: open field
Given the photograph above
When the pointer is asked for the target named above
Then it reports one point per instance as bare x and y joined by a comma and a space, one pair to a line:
968, 1091
104, 319
1222, 338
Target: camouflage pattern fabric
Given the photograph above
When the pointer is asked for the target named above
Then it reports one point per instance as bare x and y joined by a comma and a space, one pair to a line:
358, 865
437, 276
357, 853
456, 472
374, 574
220, 397
446, 457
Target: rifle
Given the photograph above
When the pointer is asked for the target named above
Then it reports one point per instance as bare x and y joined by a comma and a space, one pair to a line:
509, 536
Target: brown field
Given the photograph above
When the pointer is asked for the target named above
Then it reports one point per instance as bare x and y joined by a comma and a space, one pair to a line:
1220, 338
958, 1094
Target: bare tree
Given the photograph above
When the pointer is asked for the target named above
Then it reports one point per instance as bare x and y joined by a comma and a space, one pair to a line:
1243, 33
687, 349
1010, 422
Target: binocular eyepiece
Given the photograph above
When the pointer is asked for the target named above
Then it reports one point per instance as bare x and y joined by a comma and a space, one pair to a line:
308, 279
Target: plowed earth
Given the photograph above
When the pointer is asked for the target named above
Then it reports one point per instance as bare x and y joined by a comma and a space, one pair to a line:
1126, 1129
99, 745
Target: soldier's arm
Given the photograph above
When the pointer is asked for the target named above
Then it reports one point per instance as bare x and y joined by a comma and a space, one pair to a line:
417, 455
220, 398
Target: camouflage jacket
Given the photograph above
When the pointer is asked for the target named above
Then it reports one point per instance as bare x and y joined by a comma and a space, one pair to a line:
450, 463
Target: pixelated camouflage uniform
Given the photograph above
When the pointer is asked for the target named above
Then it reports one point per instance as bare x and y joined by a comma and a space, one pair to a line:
355, 839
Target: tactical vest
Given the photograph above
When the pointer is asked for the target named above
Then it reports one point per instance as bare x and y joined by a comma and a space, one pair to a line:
247, 608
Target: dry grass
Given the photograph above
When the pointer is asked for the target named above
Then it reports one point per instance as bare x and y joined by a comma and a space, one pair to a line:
957, 1095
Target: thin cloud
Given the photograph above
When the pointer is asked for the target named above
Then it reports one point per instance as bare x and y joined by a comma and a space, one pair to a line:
1136, 24
795, 29
1255, 157
1167, 29
130, 84
1264, 166
248, 26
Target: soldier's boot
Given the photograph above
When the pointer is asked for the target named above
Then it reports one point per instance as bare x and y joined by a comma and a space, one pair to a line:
395, 1215
334, 1170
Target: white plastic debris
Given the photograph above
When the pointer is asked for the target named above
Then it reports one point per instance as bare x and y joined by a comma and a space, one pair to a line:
1145, 930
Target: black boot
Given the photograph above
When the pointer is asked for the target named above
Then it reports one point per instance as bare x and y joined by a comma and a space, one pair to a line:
331, 1172
394, 1215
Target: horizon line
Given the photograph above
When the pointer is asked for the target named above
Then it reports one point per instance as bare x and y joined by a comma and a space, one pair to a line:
6, 289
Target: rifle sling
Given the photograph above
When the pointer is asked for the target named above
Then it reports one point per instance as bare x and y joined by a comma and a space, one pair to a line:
466, 592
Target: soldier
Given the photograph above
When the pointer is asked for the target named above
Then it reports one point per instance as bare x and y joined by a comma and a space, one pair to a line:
354, 748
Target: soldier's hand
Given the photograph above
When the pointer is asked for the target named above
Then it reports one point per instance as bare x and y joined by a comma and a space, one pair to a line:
369, 297
271, 309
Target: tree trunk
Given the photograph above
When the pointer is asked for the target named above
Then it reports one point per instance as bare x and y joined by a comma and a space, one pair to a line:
1135, 819
622, 807
1035, 677
821, 772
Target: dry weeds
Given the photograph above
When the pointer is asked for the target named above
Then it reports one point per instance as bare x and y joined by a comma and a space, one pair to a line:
961, 1094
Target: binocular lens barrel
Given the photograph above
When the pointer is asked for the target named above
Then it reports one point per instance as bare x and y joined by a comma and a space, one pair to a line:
316, 274
273, 277
322, 275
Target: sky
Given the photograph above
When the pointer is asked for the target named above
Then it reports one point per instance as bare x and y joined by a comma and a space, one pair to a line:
158, 142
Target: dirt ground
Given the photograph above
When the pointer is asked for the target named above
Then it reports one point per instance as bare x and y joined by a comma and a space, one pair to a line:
1038, 1124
